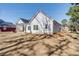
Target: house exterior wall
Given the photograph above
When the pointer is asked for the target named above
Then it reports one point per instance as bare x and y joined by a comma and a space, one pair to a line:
66, 28
41, 20
20, 26
28, 31
56, 27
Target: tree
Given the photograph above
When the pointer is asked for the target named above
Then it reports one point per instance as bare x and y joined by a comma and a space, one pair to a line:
74, 15
71, 25
64, 22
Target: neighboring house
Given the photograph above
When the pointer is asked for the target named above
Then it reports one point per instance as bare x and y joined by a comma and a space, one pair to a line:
39, 24
7, 27
65, 28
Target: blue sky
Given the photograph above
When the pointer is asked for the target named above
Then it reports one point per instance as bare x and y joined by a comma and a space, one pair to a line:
11, 12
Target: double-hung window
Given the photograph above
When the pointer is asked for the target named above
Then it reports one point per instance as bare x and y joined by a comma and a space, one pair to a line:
35, 27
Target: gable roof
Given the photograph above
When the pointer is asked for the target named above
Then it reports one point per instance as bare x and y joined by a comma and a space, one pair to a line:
29, 21
24, 20
56, 22
37, 14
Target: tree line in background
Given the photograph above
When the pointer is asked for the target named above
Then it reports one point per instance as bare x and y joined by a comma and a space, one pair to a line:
73, 22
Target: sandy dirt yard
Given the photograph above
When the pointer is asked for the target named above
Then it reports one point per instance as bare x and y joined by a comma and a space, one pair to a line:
23, 44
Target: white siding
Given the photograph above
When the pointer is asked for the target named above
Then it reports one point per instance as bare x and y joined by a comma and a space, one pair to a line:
41, 20
20, 26
28, 31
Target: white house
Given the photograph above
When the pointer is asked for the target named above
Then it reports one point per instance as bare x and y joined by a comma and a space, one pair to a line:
39, 24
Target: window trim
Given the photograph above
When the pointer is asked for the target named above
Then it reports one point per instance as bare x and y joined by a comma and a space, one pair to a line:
35, 27
29, 27
46, 26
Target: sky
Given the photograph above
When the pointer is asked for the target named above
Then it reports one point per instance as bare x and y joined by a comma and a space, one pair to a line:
11, 12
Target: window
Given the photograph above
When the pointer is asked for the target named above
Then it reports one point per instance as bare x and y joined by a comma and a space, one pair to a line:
46, 26
35, 27
29, 27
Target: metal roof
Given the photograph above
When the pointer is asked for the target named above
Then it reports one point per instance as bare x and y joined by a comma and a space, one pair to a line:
24, 20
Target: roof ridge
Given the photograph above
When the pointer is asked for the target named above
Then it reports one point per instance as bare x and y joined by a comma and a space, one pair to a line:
38, 13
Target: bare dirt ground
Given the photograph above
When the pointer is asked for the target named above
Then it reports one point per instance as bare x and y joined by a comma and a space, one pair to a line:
23, 44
